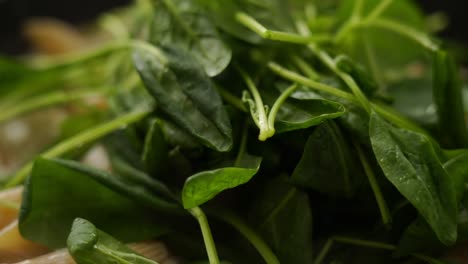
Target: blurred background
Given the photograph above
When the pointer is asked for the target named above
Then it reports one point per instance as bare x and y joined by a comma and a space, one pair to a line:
14, 12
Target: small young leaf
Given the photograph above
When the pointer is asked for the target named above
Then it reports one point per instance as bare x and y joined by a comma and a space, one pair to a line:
184, 24
205, 185
411, 164
186, 94
89, 245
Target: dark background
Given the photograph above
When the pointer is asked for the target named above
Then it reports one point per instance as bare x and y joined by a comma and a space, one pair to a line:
13, 12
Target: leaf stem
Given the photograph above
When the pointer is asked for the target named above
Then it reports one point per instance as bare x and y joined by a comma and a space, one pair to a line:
78, 140
403, 30
243, 144
383, 207
346, 78
305, 68
231, 99
378, 10
386, 112
297, 78
257, 242
260, 115
277, 105
207, 236
53, 98
364, 243
265, 33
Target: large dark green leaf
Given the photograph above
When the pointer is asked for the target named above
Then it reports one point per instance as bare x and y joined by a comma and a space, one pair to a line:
205, 185
283, 216
411, 164
448, 98
89, 245
184, 24
327, 164
185, 93
55, 194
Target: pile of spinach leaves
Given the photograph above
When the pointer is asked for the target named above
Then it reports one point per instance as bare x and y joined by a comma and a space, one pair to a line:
251, 131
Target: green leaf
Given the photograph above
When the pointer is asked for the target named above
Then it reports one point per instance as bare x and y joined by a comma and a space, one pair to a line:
418, 236
155, 152
183, 24
448, 98
421, 110
282, 215
223, 14
405, 11
411, 164
327, 164
89, 245
187, 95
205, 185
57, 192
297, 114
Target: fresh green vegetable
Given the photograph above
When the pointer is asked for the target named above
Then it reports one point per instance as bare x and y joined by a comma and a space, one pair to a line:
89, 245
251, 131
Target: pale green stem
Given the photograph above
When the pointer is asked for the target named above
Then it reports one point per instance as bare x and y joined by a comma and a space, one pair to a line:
39, 102
257, 242
378, 10
323, 253
243, 144
403, 30
79, 140
265, 33
365, 243
297, 78
277, 105
231, 99
383, 207
305, 68
265, 130
388, 113
110, 48
207, 236
347, 79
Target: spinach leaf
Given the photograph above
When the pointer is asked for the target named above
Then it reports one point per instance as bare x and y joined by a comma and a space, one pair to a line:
326, 164
89, 245
418, 236
205, 185
175, 136
283, 216
186, 94
411, 164
223, 14
448, 98
184, 24
155, 152
46, 216
297, 114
